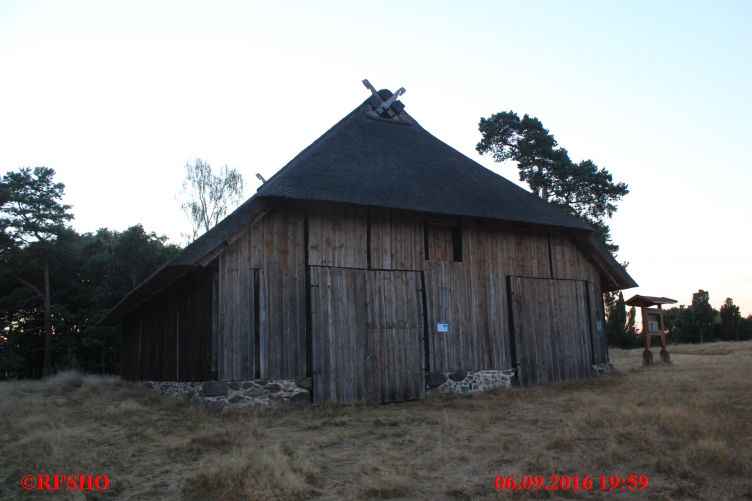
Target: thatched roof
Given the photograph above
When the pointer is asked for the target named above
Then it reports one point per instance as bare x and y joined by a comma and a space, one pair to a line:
398, 164
382, 162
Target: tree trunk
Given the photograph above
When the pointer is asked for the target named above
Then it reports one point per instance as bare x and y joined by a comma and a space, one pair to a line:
543, 188
47, 320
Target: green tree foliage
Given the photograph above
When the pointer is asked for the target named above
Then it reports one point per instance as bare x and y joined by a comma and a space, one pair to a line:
6, 240
702, 316
33, 217
700, 322
620, 329
90, 273
676, 320
208, 196
582, 188
745, 328
731, 321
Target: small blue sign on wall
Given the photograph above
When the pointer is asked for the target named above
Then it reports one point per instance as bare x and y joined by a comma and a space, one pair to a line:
442, 327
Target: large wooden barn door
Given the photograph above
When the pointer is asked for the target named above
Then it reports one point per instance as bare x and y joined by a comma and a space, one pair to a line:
366, 329
551, 329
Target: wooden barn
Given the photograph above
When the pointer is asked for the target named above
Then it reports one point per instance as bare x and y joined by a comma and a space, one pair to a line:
377, 264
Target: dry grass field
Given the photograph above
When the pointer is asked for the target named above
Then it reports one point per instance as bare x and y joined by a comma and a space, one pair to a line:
687, 426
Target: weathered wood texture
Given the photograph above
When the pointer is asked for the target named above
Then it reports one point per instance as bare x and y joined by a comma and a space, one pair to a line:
269, 258
439, 241
396, 240
569, 262
130, 346
337, 236
471, 296
169, 338
237, 309
598, 326
551, 329
260, 291
367, 330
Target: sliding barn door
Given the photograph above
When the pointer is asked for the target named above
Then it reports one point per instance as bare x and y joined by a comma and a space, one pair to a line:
551, 329
367, 331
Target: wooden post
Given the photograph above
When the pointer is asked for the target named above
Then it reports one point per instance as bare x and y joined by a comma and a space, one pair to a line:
665, 359
647, 355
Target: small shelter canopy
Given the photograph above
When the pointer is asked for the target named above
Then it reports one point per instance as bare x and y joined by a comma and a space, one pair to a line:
648, 301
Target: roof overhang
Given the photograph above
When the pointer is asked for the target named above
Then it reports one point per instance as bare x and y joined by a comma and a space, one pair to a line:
648, 301
195, 256
156, 283
614, 276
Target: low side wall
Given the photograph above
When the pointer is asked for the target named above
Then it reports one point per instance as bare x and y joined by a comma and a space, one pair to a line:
465, 383
224, 396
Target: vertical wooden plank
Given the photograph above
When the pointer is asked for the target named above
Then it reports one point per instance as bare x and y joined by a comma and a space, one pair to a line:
550, 319
370, 324
214, 324
338, 236
316, 336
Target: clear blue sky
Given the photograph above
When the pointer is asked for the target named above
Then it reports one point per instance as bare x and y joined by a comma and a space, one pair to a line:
117, 96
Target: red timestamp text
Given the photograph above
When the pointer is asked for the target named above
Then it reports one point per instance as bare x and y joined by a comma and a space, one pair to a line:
565, 482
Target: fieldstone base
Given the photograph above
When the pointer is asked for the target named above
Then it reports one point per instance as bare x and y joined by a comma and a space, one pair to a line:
465, 383
225, 396
603, 368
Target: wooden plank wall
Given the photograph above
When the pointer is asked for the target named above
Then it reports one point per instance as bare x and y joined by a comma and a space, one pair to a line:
551, 329
440, 242
275, 247
195, 326
470, 295
569, 262
337, 236
337, 334
236, 322
169, 337
282, 289
152, 341
394, 333
129, 346
367, 327
396, 240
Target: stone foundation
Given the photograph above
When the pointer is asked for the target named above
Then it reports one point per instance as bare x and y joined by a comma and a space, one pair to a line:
224, 396
603, 368
465, 383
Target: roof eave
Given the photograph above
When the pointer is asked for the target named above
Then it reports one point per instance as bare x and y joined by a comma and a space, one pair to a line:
616, 276
195, 256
